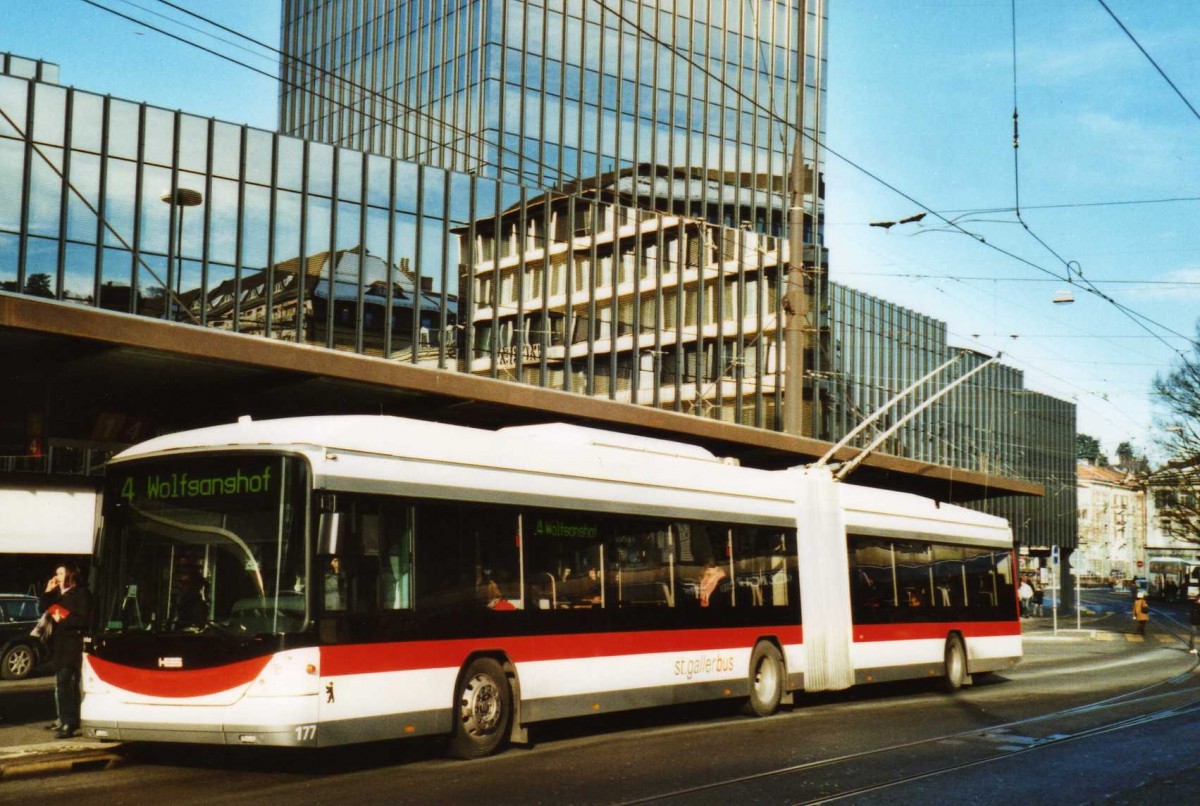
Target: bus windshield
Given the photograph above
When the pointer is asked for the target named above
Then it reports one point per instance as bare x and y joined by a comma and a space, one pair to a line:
204, 543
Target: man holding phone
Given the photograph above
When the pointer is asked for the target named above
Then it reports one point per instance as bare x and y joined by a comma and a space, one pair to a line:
68, 601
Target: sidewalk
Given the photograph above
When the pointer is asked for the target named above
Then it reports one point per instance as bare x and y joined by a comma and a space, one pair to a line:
28, 748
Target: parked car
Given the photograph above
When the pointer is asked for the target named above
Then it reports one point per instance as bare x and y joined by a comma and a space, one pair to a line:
20, 653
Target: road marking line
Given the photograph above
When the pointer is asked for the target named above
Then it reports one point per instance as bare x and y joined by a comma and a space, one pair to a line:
1105, 664
1134, 639
1006, 737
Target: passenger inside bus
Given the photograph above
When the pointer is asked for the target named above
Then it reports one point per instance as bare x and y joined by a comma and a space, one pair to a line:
334, 585
589, 594
710, 581
867, 592
191, 608
489, 591
580, 589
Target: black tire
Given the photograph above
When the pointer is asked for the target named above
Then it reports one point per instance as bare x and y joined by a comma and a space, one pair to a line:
18, 662
766, 680
956, 664
482, 710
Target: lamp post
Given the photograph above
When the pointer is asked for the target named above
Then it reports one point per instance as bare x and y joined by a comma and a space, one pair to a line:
180, 198
795, 295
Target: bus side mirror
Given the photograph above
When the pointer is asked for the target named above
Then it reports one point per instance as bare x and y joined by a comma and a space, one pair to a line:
327, 533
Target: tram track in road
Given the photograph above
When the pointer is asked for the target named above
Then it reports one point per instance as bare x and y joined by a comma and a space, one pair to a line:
995, 743
1191, 707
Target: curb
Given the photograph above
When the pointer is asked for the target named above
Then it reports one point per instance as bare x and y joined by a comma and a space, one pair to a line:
34, 763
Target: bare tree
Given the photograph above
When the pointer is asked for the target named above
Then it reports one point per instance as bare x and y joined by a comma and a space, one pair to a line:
1177, 485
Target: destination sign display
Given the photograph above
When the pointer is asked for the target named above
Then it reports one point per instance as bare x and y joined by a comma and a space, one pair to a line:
252, 477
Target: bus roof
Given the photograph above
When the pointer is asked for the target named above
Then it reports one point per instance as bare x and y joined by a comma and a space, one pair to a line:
568, 460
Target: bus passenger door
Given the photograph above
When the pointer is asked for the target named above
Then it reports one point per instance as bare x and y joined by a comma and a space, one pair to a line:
364, 594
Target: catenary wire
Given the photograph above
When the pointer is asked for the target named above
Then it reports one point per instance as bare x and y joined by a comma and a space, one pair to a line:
1138, 319
1150, 59
1134, 315
198, 30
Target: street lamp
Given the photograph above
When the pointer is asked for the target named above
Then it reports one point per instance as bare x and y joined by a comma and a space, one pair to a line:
1064, 296
180, 198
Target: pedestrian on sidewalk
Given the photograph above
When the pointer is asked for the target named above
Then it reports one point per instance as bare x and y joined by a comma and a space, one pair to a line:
1038, 598
69, 602
1195, 618
1026, 594
1141, 612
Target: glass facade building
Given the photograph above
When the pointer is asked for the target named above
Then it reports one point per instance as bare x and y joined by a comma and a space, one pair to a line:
543, 93
988, 424
599, 111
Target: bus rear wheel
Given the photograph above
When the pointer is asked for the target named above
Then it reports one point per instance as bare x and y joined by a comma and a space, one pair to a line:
766, 680
482, 710
956, 664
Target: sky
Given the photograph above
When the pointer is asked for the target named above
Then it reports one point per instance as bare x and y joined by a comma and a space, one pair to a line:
919, 118
921, 95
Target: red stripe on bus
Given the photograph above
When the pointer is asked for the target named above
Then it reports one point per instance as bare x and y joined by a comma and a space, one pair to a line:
178, 682
866, 633
395, 657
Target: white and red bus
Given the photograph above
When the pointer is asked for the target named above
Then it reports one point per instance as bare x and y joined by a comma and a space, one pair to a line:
1173, 579
326, 580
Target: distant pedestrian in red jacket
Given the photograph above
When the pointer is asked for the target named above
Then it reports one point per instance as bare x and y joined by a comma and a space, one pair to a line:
1141, 612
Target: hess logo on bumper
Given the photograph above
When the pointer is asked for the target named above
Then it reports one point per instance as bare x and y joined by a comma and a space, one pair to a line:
170, 663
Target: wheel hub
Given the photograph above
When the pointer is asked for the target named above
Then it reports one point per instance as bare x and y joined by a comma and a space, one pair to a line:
19, 663
481, 705
765, 679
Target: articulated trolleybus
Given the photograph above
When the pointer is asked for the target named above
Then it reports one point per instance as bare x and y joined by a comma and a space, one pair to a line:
319, 581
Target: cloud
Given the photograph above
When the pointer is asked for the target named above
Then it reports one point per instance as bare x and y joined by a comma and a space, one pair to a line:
1178, 285
1054, 66
1175, 287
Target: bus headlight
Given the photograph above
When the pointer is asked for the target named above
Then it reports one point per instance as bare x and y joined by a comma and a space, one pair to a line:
289, 674
92, 684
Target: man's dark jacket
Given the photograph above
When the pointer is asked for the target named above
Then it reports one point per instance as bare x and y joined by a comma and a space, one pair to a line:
66, 639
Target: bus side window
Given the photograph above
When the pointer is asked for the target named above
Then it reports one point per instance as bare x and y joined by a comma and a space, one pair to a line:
872, 587
564, 559
703, 570
493, 539
981, 583
914, 573
764, 566
641, 564
467, 557
350, 579
396, 555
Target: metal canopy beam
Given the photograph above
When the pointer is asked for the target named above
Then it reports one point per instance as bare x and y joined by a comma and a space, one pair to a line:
183, 376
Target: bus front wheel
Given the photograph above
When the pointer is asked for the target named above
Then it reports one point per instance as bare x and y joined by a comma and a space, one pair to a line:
482, 710
766, 680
